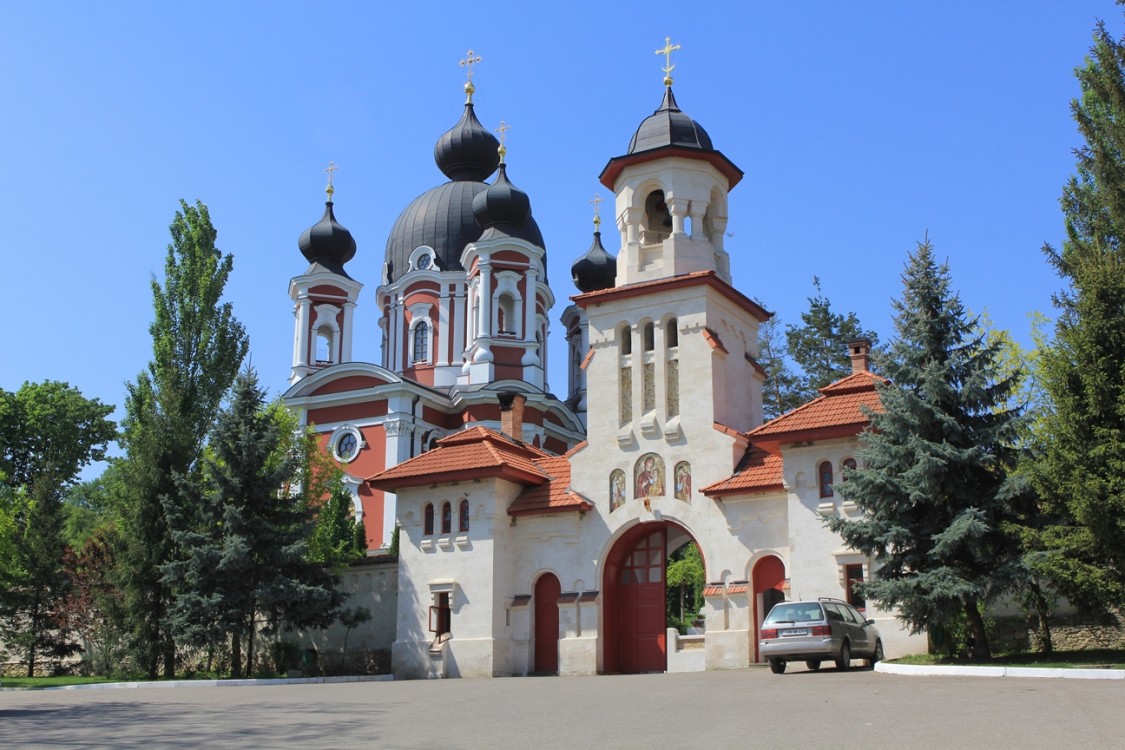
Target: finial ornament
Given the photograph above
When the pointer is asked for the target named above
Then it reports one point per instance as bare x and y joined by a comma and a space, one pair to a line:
596, 202
331, 168
503, 131
471, 59
669, 48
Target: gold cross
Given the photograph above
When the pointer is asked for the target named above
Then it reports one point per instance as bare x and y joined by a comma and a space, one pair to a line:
331, 168
471, 59
669, 48
597, 212
503, 131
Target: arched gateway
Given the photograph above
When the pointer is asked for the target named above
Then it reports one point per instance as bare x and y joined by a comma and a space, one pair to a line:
635, 625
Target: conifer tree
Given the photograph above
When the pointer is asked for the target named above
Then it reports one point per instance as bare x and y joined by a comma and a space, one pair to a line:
819, 345
781, 391
244, 566
934, 476
198, 347
1080, 473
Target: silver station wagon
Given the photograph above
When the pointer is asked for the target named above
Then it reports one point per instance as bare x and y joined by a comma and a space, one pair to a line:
817, 631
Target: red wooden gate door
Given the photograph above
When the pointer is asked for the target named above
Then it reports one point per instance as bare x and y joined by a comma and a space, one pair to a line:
641, 622
547, 590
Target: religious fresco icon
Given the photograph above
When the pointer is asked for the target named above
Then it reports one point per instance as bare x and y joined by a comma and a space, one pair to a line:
681, 475
649, 476
616, 489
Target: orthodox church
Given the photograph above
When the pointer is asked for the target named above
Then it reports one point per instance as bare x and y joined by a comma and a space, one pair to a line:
534, 531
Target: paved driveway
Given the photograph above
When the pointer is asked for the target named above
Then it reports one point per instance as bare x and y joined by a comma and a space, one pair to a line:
748, 708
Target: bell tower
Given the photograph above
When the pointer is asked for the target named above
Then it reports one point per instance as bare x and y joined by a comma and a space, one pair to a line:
324, 296
671, 195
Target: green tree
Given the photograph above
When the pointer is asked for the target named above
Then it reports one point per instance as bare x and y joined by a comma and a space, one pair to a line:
333, 540
819, 344
934, 481
1080, 469
198, 347
50, 432
781, 391
685, 577
245, 567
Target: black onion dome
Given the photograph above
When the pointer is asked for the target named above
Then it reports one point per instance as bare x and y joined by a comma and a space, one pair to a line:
441, 218
596, 270
668, 126
467, 151
328, 242
502, 204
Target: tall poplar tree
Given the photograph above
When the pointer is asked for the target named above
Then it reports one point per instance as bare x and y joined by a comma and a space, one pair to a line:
198, 347
1081, 472
245, 567
935, 476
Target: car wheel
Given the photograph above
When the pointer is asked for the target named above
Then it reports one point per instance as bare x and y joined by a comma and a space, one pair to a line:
844, 660
813, 664
876, 655
777, 666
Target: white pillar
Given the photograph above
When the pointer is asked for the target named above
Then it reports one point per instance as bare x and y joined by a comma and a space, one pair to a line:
346, 332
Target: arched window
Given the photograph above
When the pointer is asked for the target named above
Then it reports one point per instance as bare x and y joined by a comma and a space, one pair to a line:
625, 340
848, 464
650, 337
671, 335
463, 516
323, 347
824, 478
428, 523
446, 517
505, 316
422, 342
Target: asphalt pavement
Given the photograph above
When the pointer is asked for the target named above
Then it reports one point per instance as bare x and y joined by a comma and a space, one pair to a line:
748, 708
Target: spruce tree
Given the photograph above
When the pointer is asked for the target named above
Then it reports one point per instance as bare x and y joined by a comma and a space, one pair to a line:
933, 480
1080, 473
244, 566
781, 391
198, 347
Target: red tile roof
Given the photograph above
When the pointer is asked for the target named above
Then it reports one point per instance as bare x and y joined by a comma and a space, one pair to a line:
758, 471
553, 497
470, 454
479, 452
837, 411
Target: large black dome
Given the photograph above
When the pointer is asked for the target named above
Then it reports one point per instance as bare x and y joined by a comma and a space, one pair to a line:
441, 218
668, 126
467, 151
596, 270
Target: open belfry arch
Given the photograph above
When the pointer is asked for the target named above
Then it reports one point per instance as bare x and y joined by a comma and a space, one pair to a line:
535, 532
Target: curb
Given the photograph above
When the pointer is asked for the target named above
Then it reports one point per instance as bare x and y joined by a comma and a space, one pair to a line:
948, 671
217, 683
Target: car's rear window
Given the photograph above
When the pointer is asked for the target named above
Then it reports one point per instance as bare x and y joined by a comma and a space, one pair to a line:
795, 612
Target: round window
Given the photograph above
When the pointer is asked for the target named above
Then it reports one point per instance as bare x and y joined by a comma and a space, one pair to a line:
424, 262
347, 447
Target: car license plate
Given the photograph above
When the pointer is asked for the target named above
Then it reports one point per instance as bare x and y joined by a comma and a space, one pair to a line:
794, 631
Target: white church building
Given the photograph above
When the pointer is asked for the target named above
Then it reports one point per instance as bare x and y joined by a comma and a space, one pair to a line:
535, 532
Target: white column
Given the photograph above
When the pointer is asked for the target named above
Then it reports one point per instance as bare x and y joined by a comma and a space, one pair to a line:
459, 325
529, 303
301, 340
441, 357
346, 333
485, 293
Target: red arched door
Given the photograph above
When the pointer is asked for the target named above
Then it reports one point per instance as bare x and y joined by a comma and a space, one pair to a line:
769, 577
636, 636
547, 590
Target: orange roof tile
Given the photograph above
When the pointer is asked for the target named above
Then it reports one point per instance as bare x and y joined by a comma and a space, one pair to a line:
838, 410
553, 497
470, 454
758, 471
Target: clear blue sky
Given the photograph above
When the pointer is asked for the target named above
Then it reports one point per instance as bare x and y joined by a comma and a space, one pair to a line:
860, 126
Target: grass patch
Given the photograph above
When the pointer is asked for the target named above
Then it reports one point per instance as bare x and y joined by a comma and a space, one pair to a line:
1098, 658
45, 682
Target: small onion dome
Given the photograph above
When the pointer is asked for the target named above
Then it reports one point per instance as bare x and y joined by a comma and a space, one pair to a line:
502, 204
668, 126
327, 242
467, 151
596, 270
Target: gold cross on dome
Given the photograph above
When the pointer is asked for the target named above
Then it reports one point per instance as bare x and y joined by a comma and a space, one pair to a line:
471, 59
503, 131
669, 48
331, 168
596, 202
